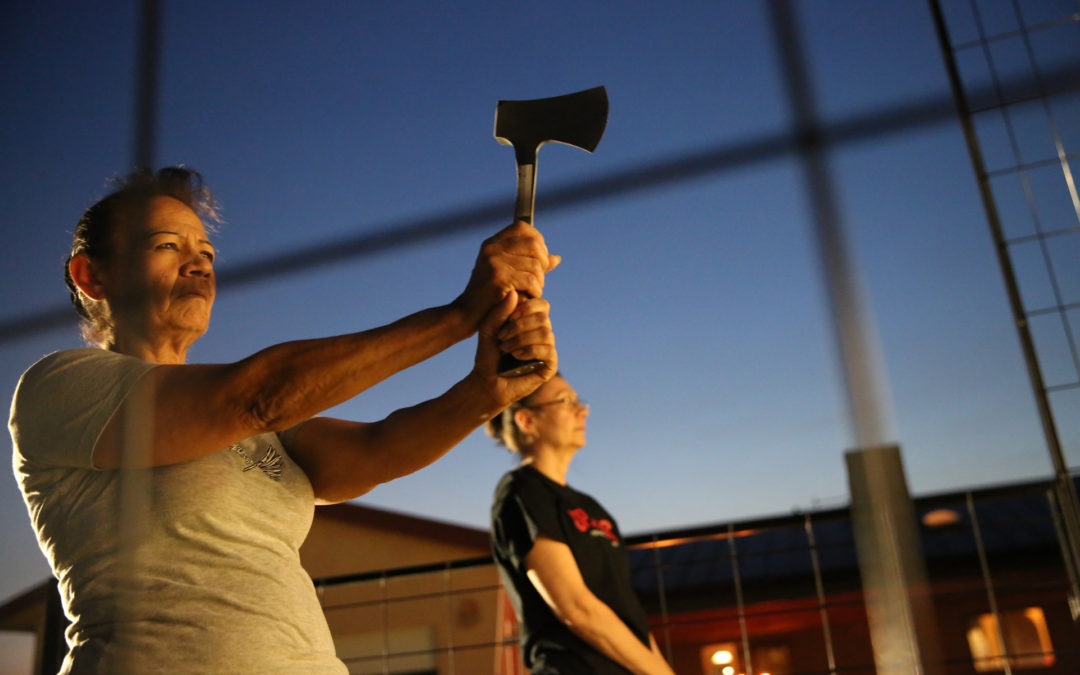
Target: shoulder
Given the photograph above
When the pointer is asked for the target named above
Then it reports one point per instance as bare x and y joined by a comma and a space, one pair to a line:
59, 360
522, 491
79, 362
76, 370
525, 507
504, 489
64, 400
521, 482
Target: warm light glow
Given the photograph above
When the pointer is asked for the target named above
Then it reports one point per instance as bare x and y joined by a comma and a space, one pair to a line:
720, 657
728, 670
675, 541
940, 518
1027, 640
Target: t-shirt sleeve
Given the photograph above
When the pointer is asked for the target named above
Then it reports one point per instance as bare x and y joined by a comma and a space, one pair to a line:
527, 511
63, 402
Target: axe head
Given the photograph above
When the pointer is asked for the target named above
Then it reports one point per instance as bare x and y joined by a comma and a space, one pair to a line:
576, 119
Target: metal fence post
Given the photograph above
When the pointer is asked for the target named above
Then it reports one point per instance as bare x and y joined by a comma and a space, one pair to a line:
897, 594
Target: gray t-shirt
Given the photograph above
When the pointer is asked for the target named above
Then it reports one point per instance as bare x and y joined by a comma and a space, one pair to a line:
213, 582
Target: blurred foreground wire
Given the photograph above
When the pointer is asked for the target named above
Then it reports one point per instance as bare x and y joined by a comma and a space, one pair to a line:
664, 172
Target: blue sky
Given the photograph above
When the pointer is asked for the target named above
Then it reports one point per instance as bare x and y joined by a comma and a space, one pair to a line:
691, 316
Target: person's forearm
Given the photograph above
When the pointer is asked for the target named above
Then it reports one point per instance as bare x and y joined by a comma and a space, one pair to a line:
199, 409
293, 381
344, 460
411, 438
603, 629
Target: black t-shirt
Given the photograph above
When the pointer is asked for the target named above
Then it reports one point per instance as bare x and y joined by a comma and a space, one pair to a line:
527, 504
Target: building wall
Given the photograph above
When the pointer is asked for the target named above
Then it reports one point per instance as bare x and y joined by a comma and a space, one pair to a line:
428, 619
414, 623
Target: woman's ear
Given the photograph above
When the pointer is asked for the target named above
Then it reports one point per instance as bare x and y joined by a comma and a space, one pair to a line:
524, 420
86, 276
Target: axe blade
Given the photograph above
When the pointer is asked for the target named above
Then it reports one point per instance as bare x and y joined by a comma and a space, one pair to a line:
576, 119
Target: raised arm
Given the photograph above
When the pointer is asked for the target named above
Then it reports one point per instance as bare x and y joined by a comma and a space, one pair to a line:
199, 409
345, 459
555, 574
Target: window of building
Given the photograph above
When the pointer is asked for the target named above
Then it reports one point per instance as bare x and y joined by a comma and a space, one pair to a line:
726, 658
1026, 640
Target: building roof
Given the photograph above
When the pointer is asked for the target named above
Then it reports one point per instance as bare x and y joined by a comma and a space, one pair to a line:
1015, 526
23, 611
402, 523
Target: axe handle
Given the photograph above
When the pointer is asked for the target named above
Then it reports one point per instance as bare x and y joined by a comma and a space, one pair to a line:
509, 365
525, 203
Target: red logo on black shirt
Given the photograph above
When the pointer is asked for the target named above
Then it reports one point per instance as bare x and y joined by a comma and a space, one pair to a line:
599, 528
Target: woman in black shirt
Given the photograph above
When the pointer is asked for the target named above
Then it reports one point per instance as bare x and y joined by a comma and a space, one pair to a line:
559, 553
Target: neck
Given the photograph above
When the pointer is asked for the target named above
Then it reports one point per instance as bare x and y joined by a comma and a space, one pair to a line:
155, 351
550, 462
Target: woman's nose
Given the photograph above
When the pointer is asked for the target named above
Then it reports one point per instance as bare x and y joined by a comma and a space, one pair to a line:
197, 264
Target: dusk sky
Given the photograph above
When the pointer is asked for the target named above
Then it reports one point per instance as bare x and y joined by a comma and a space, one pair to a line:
691, 316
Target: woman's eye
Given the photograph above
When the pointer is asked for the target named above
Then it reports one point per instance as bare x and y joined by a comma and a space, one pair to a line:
209, 255
168, 245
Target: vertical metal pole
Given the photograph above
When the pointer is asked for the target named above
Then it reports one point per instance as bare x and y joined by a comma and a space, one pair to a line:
385, 611
819, 586
662, 596
131, 602
867, 396
147, 81
988, 582
449, 619
897, 601
737, 578
1059, 146
1068, 503
898, 597
1056, 513
134, 485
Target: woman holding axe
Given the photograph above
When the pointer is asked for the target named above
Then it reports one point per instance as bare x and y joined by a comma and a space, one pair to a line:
230, 458
559, 553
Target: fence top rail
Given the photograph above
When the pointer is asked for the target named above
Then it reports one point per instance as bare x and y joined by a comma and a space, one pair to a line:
716, 530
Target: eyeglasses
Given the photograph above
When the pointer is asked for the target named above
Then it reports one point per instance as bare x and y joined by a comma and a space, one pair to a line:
576, 403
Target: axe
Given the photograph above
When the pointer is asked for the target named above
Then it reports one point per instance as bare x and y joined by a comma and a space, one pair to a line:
577, 120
